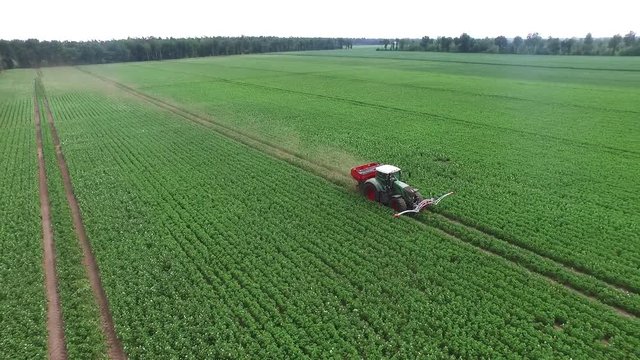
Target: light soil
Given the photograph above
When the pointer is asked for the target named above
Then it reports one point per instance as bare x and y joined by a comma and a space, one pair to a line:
55, 326
114, 346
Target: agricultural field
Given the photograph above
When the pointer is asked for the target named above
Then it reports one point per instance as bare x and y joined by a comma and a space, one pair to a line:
541, 153
22, 301
216, 198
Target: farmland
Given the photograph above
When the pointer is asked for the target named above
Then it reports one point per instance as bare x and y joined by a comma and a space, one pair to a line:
22, 301
213, 193
541, 156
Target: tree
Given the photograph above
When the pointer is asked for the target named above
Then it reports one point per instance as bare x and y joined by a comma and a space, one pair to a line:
385, 42
517, 44
444, 43
424, 42
566, 46
533, 43
483, 45
402, 44
630, 39
614, 43
553, 46
502, 43
587, 47
464, 42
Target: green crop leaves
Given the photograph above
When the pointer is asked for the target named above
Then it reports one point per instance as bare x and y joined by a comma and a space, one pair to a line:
22, 301
208, 248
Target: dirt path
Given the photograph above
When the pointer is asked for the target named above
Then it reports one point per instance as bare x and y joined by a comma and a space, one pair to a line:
114, 346
55, 326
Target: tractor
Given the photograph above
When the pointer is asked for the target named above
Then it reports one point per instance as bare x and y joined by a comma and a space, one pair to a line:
383, 183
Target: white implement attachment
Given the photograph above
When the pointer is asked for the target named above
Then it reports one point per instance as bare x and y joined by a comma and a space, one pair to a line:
423, 204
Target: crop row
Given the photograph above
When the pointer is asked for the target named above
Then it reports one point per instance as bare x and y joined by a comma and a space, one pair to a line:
83, 336
195, 232
22, 301
476, 234
556, 187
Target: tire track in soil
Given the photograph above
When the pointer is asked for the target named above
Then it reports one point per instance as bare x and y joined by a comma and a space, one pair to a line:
337, 177
572, 142
323, 74
115, 349
560, 67
56, 346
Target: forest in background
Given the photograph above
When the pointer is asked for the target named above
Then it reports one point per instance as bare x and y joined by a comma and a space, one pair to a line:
34, 53
533, 44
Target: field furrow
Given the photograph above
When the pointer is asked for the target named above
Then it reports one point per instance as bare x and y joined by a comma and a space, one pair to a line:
547, 264
114, 347
366, 285
540, 157
56, 344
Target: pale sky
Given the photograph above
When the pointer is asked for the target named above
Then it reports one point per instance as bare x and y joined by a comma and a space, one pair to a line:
118, 19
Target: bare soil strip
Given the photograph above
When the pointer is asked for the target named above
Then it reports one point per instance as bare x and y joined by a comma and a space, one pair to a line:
55, 325
114, 346
337, 177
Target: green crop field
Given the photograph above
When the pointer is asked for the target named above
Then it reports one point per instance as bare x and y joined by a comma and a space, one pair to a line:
216, 197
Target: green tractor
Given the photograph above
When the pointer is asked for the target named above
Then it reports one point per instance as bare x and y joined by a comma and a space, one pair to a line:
383, 183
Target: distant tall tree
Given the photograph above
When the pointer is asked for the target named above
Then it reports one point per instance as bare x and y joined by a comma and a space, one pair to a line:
464, 42
424, 42
402, 44
630, 38
533, 43
385, 42
517, 44
587, 47
614, 43
444, 43
566, 46
553, 46
502, 43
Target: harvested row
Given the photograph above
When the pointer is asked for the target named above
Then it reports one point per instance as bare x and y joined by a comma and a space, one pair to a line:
23, 332
158, 174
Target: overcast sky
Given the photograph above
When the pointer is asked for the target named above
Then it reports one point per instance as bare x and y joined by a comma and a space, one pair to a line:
117, 19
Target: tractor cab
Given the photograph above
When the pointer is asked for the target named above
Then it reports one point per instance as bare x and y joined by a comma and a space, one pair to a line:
388, 174
383, 183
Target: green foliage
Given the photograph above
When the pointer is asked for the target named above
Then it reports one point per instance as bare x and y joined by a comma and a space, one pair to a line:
22, 299
542, 149
534, 44
83, 334
35, 53
211, 249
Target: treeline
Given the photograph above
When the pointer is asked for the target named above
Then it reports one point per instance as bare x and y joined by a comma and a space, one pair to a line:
34, 53
533, 44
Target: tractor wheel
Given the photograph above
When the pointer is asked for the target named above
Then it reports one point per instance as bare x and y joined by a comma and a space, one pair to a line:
398, 204
370, 192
